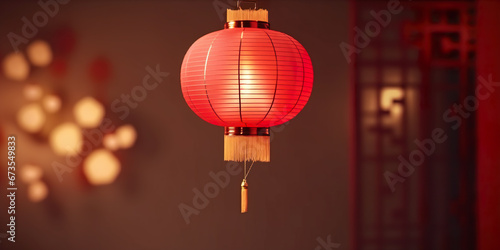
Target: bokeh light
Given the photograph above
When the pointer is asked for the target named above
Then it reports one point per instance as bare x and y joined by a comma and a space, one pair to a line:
51, 103
66, 139
15, 66
110, 141
32, 92
37, 191
31, 118
88, 112
101, 167
39, 53
30, 173
126, 136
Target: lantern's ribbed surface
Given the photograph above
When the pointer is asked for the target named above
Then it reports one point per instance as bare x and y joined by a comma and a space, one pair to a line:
246, 77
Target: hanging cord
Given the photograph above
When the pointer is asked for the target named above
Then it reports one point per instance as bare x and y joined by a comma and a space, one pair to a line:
245, 164
245, 173
244, 184
238, 3
250, 168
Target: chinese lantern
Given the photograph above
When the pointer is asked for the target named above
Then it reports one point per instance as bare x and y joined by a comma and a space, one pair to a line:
246, 78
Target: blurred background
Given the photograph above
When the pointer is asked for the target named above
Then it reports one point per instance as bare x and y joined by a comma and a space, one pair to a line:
106, 161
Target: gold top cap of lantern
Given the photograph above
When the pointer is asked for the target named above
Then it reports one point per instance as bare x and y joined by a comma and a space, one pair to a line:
247, 18
247, 15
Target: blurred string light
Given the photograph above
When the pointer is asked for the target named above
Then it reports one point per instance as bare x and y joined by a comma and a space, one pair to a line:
110, 141
15, 67
101, 167
88, 112
51, 103
123, 138
37, 191
32, 92
31, 118
126, 136
66, 139
30, 173
39, 53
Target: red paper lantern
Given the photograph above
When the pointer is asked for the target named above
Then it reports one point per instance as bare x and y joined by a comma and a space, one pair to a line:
246, 78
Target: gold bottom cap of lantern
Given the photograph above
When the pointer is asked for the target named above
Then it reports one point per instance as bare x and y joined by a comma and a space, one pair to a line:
247, 144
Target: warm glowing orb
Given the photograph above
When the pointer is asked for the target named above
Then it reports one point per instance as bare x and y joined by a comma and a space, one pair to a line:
51, 103
101, 167
31, 118
30, 173
32, 92
39, 53
37, 191
66, 139
88, 112
15, 67
110, 141
126, 135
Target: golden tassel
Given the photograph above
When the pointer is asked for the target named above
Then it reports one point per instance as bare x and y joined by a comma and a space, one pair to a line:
244, 196
247, 148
